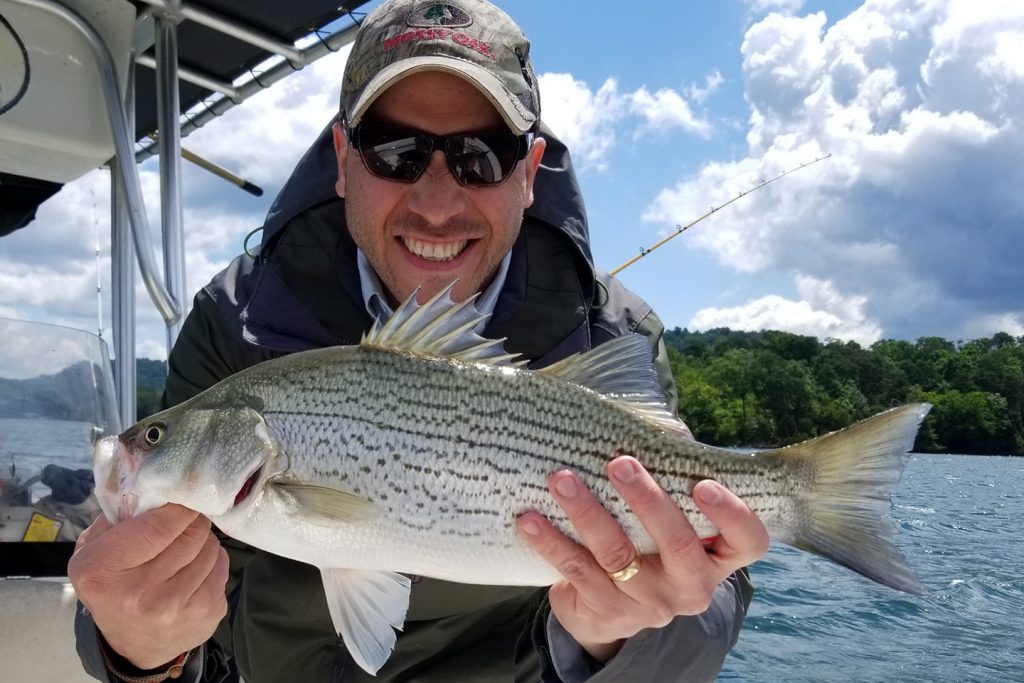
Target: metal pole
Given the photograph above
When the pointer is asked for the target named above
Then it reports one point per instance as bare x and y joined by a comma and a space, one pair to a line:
244, 91
170, 164
230, 27
126, 172
197, 77
122, 279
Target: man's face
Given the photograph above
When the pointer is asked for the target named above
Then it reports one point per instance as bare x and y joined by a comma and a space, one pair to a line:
429, 233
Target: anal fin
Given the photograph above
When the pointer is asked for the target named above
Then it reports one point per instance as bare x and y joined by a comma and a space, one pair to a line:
366, 608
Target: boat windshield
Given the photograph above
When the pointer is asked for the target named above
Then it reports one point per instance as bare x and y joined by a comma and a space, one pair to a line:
56, 397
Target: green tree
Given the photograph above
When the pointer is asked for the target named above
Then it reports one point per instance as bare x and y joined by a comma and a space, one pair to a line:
972, 422
772, 388
150, 377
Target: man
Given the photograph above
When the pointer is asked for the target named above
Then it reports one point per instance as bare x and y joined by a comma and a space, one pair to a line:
436, 160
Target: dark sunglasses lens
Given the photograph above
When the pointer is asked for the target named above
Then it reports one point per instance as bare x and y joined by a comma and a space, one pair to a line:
482, 158
394, 153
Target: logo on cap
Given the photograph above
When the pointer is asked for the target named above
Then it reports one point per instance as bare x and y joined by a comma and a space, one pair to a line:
439, 15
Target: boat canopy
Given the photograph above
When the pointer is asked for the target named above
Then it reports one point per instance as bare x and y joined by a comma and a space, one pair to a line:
89, 83
54, 124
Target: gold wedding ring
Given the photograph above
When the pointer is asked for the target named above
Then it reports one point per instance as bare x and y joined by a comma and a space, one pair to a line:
627, 572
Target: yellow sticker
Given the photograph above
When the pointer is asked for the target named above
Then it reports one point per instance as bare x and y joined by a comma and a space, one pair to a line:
42, 529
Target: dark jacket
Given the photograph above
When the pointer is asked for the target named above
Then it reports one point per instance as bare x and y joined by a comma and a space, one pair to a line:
302, 291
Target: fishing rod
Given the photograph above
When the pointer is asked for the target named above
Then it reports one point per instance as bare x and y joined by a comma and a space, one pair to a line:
680, 229
216, 170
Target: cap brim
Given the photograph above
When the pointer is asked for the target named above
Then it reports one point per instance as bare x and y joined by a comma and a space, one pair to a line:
504, 101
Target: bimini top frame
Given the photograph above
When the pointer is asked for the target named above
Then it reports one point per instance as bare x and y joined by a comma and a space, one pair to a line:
207, 57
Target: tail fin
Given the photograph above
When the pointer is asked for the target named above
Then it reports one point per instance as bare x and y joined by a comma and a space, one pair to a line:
843, 511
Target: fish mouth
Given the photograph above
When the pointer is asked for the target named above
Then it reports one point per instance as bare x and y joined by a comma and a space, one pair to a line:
247, 487
114, 471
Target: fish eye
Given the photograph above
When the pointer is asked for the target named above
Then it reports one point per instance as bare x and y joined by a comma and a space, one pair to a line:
154, 434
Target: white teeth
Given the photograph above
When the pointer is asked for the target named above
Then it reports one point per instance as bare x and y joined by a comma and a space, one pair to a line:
434, 251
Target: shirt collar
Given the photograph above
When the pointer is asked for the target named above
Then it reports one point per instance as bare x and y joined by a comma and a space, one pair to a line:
376, 301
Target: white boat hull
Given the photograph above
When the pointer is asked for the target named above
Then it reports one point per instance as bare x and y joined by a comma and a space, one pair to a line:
37, 634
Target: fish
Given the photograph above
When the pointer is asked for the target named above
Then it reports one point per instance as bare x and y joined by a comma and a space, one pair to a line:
413, 453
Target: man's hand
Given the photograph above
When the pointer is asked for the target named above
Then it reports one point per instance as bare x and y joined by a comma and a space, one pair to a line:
679, 580
153, 583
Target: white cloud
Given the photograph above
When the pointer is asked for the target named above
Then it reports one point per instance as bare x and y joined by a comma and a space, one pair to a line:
32, 350
276, 124
821, 312
986, 326
921, 104
587, 120
583, 119
712, 82
666, 109
781, 6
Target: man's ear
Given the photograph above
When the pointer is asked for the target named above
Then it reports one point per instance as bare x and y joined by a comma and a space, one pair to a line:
340, 151
533, 158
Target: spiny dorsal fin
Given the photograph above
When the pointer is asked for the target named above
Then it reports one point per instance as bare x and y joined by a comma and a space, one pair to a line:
440, 328
622, 370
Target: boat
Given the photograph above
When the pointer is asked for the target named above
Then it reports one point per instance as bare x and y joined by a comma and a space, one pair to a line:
86, 84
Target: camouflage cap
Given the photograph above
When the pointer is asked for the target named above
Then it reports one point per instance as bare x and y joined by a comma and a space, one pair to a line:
471, 39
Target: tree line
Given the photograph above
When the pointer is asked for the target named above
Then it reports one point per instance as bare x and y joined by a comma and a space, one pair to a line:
775, 388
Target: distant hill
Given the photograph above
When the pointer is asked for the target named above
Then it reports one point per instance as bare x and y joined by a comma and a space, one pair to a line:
70, 394
73, 393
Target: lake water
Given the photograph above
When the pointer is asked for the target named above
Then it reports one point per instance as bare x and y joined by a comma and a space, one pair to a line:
961, 521
34, 443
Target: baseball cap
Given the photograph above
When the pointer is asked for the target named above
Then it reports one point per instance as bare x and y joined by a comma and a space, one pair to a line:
471, 39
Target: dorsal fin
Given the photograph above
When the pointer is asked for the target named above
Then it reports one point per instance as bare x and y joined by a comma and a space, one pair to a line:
621, 369
439, 328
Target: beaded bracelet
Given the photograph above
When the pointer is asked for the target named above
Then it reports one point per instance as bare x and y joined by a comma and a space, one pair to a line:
176, 668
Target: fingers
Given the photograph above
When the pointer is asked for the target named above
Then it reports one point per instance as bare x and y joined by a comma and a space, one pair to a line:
573, 561
678, 544
99, 526
201, 582
182, 551
598, 530
151, 611
743, 538
606, 547
138, 540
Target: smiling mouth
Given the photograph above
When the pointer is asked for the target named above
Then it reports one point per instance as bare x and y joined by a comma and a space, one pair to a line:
437, 252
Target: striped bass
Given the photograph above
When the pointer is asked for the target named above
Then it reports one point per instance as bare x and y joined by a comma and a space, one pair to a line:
419, 448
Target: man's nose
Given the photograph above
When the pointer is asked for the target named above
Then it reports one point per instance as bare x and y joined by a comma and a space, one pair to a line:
437, 196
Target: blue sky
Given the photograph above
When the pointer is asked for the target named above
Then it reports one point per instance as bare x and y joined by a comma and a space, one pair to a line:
913, 227
652, 45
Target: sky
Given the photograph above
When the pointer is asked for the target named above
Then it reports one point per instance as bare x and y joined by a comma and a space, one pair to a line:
914, 226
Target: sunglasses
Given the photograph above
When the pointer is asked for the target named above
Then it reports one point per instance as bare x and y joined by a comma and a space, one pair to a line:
402, 154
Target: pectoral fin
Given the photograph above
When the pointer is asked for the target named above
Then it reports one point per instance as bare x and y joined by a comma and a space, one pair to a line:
326, 504
366, 608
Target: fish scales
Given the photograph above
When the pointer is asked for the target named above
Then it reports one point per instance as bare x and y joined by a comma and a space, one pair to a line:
472, 448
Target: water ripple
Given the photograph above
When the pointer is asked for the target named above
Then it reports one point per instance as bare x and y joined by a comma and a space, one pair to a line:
960, 523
